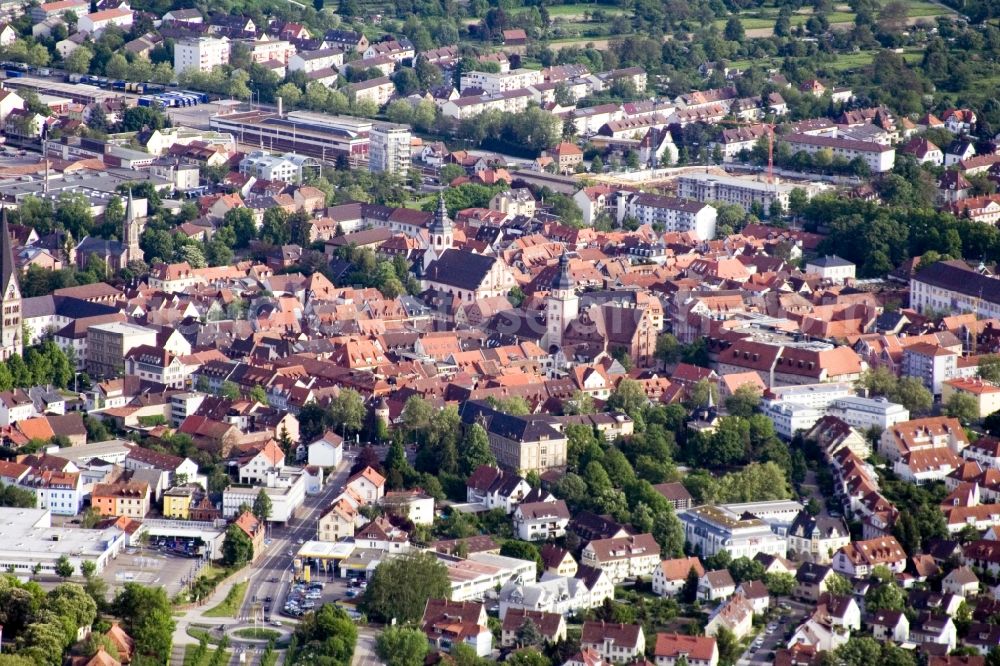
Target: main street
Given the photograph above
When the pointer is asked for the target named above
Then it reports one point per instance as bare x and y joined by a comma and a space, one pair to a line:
271, 575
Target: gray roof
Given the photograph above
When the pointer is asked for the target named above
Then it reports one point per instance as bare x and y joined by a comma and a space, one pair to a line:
830, 261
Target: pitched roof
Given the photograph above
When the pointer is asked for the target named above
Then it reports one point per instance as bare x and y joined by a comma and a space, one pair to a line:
701, 648
460, 269
619, 633
548, 623
679, 568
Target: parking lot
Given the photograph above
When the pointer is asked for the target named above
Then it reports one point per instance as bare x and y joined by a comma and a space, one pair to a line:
194, 116
151, 568
298, 598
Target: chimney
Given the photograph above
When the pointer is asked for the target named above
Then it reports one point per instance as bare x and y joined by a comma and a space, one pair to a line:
280, 106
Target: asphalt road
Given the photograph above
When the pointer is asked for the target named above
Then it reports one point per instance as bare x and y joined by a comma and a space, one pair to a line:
277, 563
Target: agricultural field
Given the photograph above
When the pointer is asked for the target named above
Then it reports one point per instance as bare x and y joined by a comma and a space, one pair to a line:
757, 21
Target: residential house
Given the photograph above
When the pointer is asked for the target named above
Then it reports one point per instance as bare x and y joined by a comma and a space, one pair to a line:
368, 484
540, 521
857, 559
695, 650
671, 575
961, 582
816, 538
558, 561
889, 625
616, 642
714, 585
124, 498
447, 623
626, 557
496, 488
552, 626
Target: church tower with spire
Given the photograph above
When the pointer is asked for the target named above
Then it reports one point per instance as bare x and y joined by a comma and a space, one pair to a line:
11, 334
442, 233
131, 230
561, 306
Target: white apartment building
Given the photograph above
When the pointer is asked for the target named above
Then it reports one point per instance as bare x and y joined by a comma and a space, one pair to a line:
673, 214
202, 54
931, 364
865, 413
98, 22
879, 158
953, 286
389, 150
712, 529
506, 102
742, 191
819, 396
265, 50
287, 490
311, 61
286, 168
493, 83
789, 417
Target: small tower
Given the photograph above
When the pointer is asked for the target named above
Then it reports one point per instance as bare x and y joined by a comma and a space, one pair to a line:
382, 411
442, 233
11, 341
562, 305
131, 230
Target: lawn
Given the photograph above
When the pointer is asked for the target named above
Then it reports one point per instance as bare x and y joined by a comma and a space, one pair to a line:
918, 8
578, 10
230, 606
193, 656
258, 634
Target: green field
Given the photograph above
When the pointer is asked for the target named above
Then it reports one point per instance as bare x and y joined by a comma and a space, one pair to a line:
231, 604
191, 657
580, 9
760, 19
258, 634
843, 62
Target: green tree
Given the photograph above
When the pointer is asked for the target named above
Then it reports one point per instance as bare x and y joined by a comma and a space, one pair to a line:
475, 450
628, 397
64, 568
989, 368
744, 401
528, 657
72, 608
230, 390
912, 394
147, 618
401, 587
728, 645
262, 506
327, 636
523, 550
402, 646
963, 407
734, 30
88, 568
78, 61
347, 410
780, 584
668, 349
690, 590
237, 548
258, 394
838, 585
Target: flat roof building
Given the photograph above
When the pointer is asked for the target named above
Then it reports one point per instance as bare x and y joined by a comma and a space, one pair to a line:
28, 538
